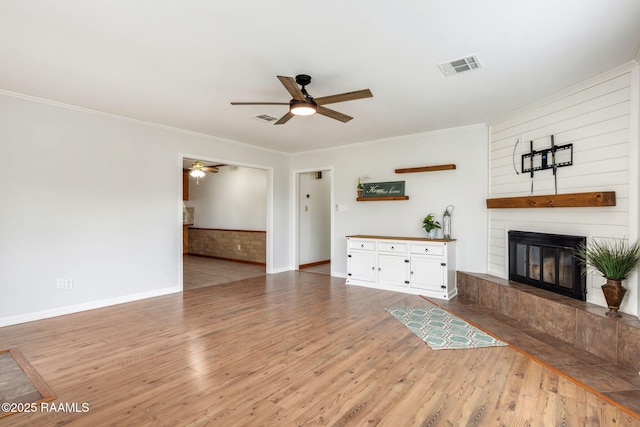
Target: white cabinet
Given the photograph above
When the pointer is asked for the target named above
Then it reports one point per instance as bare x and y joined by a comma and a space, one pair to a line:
412, 265
393, 269
393, 263
427, 273
361, 261
362, 265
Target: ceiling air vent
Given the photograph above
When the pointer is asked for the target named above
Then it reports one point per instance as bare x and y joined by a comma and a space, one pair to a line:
457, 66
265, 118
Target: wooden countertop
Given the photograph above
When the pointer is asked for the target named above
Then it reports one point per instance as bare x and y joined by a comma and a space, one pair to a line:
418, 239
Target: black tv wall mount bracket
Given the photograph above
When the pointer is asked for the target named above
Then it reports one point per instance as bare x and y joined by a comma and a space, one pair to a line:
538, 160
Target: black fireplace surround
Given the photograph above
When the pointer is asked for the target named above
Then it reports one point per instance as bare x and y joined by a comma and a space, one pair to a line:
546, 261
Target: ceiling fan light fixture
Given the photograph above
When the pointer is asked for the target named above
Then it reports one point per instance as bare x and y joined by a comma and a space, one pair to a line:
302, 108
197, 169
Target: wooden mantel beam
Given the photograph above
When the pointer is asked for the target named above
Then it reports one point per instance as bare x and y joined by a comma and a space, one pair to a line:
573, 200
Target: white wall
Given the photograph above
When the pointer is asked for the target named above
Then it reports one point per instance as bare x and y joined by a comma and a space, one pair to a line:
98, 199
465, 188
235, 198
598, 118
314, 216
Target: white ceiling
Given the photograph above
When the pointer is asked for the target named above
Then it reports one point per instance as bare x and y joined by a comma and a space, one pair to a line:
180, 63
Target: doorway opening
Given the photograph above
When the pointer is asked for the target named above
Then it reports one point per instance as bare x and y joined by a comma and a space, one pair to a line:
226, 222
313, 220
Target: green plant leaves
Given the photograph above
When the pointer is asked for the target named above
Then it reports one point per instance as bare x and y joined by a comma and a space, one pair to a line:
613, 260
428, 223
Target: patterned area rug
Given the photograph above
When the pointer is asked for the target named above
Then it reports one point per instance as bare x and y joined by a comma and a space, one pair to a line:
441, 329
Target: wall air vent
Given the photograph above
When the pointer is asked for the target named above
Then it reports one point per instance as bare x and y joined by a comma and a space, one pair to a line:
457, 66
264, 118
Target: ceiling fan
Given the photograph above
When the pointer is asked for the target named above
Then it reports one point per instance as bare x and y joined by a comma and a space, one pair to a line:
198, 169
304, 104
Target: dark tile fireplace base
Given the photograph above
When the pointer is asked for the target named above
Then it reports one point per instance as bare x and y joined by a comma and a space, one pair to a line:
578, 323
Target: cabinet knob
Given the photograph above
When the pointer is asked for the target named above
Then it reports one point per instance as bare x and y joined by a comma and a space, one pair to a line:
373, 268
392, 248
362, 245
426, 249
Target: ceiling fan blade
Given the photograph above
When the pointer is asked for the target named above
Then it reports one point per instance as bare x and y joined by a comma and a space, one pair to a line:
213, 168
292, 87
333, 114
284, 119
259, 103
341, 97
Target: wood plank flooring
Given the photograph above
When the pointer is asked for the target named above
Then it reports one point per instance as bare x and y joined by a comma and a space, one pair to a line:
200, 271
288, 349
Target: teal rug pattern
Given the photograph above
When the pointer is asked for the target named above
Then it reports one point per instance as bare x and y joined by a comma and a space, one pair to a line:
441, 329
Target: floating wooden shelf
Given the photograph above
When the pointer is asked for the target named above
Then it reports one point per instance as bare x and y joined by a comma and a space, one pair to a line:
427, 168
573, 200
373, 199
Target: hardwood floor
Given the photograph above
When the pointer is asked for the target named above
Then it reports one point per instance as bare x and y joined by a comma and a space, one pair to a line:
324, 268
292, 348
200, 271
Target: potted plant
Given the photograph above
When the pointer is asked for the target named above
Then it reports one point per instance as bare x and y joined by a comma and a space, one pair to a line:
361, 180
430, 225
614, 261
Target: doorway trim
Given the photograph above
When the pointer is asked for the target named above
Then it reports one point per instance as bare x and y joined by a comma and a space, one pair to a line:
295, 214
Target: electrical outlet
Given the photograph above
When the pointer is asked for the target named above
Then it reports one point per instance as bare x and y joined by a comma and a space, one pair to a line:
60, 283
68, 283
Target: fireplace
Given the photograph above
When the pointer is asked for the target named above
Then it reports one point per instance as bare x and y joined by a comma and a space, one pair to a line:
546, 261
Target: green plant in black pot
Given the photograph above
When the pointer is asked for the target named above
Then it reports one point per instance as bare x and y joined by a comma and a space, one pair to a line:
430, 225
614, 261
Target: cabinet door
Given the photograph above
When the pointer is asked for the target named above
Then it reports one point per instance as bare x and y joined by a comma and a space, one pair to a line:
362, 266
428, 273
393, 270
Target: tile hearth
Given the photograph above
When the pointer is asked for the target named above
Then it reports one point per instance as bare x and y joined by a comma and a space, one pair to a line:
574, 337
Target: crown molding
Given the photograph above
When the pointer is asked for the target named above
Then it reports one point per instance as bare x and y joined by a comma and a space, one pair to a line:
136, 121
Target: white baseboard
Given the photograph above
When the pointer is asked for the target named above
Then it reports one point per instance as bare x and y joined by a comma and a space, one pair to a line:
60, 311
280, 270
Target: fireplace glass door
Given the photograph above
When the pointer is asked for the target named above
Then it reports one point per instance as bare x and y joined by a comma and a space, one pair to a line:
546, 261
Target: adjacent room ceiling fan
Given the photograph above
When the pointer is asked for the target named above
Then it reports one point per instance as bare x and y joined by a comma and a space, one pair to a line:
304, 104
198, 169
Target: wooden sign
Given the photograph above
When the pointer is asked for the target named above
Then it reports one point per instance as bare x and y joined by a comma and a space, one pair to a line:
382, 189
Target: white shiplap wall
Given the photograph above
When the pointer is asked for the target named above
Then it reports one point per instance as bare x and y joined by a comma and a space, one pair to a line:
600, 118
